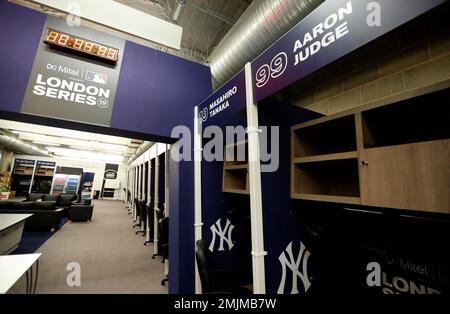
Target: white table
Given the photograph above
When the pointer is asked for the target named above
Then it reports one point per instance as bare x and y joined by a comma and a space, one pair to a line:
12, 267
11, 228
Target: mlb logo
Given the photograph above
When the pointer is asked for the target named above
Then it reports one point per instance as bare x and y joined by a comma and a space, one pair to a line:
96, 77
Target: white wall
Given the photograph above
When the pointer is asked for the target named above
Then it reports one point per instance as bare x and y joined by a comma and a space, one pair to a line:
88, 166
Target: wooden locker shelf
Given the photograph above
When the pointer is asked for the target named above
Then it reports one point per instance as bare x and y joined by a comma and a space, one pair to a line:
388, 155
327, 157
235, 172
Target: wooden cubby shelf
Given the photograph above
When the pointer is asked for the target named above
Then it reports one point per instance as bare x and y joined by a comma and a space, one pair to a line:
23, 170
329, 178
389, 155
44, 172
327, 198
334, 136
328, 157
235, 169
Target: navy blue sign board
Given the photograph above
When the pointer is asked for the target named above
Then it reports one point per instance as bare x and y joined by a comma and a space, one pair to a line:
24, 163
228, 99
328, 33
46, 164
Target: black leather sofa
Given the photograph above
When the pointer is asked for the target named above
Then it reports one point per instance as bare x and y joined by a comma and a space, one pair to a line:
46, 214
63, 200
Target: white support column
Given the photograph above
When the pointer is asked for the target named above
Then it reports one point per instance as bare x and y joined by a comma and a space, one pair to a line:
135, 193
166, 196
130, 186
197, 190
254, 164
143, 180
126, 189
133, 185
131, 189
149, 200
156, 198
139, 182
32, 177
142, 190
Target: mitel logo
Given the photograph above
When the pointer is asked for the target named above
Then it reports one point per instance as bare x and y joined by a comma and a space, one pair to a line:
223, 234
289, 262
394, 284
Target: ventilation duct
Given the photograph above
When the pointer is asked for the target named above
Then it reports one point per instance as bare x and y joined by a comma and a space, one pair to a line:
139, 151
263, 23
10, 141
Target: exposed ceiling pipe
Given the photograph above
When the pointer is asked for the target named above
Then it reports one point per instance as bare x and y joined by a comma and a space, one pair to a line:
12, 142
263, 23
139, 151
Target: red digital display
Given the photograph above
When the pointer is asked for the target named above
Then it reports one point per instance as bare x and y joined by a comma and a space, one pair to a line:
55, 37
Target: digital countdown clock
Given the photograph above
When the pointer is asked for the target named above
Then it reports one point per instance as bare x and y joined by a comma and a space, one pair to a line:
80, 45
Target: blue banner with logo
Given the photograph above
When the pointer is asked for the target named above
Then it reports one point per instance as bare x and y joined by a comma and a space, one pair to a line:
331, 31
228, 99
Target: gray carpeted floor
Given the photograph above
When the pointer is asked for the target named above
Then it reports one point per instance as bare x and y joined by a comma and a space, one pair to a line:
112, 258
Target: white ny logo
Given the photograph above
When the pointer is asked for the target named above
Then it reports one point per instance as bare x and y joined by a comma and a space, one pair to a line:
294, 266
217, 229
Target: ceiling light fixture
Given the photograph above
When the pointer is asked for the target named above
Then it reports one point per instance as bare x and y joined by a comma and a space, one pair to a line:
180, 6
84, 154
46, 143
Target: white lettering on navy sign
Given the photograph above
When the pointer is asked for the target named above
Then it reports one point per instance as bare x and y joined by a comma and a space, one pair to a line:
276, 68
70, 90
218, 105
322, 35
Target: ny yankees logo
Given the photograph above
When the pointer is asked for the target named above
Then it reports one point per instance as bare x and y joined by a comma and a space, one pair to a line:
217, 229
294, 266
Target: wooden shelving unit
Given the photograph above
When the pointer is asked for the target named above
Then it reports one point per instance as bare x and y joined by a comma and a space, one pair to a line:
45, 172
329, 171
23, 170
235, 169
392, 155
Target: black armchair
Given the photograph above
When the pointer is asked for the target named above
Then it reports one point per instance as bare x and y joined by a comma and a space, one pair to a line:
159, 216
215, 281
85, 201
136, 208
150, 212
142, 217
80, 212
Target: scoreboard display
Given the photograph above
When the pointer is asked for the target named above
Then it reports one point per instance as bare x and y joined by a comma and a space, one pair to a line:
74, 43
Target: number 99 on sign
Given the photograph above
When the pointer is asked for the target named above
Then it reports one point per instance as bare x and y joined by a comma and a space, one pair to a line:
273, 70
